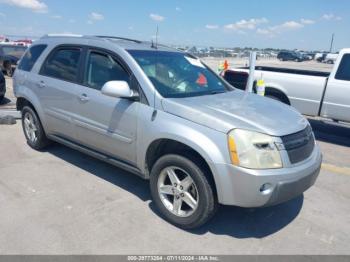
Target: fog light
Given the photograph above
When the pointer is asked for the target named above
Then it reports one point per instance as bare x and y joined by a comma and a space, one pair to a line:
266, 188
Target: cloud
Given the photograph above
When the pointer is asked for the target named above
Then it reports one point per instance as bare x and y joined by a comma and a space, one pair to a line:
2, 15
72, 21
34, 5
263, 31
56, 17
284, 27
178, 9
96, 16
307, 21
250, 24
211, 27
156, 17
287, 26
331, 17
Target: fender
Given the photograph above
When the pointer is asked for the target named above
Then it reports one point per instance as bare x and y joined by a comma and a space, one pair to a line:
205, 141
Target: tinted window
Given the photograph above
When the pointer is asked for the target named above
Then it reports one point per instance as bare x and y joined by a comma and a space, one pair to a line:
63, 64
343, 72
102, 68
30, 57
16, 51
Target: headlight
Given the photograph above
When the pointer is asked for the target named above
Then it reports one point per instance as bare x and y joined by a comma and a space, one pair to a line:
253, 150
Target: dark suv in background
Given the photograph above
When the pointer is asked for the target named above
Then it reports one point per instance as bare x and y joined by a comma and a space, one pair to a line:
2, 86
290, 56
9, 56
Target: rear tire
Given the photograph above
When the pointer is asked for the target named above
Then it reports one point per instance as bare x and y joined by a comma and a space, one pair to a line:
33, 130
166, 193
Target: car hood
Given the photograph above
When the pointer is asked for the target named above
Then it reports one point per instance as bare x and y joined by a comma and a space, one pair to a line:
237, 109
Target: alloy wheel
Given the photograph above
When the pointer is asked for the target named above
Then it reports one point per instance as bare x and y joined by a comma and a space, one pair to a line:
30, 127
178, 192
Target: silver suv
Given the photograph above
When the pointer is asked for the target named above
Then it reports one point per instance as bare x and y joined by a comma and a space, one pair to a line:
164, 115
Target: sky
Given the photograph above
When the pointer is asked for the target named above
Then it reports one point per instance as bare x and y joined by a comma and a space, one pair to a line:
302, 24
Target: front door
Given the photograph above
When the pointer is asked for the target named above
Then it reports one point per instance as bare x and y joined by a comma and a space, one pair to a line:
106, 124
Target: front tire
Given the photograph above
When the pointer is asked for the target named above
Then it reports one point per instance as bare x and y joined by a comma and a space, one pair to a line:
33, 130
182, 192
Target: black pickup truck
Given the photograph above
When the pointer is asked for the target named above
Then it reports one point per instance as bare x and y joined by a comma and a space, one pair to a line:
9, 56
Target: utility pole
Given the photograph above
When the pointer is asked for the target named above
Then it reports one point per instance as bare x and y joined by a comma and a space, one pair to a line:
330, 50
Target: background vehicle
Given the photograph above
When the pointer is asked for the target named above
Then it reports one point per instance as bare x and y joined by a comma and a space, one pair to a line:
290, 56
163, 115
311, 93
9, 56
2, 86
330, 58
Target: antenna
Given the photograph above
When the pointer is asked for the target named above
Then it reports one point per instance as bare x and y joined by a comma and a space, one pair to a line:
155, 46
330, 50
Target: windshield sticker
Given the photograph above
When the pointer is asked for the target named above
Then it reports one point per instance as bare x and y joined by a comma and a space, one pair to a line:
195, 62
202, 80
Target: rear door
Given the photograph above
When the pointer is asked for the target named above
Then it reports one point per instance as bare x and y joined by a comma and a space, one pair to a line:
58, 89
336, 103
106, 124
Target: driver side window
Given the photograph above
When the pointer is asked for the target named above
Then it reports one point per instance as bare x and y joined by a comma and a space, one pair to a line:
102, 68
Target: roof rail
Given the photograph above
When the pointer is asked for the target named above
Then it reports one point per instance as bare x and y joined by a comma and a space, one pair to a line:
119, 38
61, 35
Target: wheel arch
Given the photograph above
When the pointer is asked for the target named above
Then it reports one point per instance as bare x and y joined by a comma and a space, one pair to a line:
164, 146
277, 92
23, 101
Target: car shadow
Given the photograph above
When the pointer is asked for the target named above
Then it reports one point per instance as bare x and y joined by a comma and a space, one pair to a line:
331, 132
233, 221
123, 179
241, 222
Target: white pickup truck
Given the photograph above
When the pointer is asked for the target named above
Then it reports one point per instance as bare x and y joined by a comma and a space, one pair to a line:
312, 93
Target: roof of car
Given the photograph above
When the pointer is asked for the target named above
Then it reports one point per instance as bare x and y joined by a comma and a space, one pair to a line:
122, 42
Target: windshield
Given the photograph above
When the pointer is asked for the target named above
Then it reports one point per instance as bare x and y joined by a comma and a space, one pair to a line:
176, 74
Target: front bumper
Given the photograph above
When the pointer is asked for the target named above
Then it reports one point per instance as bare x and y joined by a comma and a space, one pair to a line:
245, 187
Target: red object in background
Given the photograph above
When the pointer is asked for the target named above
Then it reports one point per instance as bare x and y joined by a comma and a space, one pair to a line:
202, 80
225, 65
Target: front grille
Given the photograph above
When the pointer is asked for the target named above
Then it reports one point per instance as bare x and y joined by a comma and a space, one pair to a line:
299, 145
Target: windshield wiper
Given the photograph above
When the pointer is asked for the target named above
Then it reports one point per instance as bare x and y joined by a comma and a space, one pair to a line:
217, 92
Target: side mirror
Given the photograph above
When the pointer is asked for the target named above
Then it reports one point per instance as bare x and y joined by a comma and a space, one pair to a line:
118, 89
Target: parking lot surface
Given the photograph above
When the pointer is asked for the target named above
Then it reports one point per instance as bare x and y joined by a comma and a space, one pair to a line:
63, 202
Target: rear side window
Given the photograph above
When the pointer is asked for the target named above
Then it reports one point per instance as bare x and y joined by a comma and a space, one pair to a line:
343, 72
30, 57
63, 64
102, 68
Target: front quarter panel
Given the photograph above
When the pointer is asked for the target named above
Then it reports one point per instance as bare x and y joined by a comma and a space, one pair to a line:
210, 144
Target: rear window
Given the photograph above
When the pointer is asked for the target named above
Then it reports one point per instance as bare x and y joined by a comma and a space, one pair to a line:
63, 64
15, 51
343, 72
30, 57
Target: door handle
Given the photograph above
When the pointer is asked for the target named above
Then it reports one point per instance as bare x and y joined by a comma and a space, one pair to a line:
84, 98
41, 84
